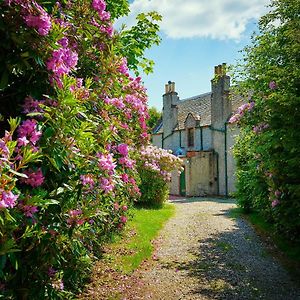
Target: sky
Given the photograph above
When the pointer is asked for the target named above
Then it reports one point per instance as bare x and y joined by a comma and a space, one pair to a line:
196, 36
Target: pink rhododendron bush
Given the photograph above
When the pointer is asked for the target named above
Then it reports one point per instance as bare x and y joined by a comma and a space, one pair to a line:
72, 121
268, 150
155, 169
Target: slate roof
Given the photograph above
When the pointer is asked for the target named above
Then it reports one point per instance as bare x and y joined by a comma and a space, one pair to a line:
200, 107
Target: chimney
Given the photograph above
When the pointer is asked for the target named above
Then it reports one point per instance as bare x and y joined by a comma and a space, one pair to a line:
221, 105
170, 110
170, 87
220, 70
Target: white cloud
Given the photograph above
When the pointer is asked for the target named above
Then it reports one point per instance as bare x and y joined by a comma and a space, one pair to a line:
217, 19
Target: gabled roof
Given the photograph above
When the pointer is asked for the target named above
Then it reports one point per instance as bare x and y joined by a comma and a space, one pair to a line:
199, 106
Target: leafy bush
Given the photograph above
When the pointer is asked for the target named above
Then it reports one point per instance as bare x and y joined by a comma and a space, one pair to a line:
68, 157
267, 150
155, 169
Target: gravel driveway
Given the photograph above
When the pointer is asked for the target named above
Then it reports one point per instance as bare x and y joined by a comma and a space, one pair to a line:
202, 253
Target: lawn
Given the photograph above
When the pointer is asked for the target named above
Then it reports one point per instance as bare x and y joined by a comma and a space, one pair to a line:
134, 246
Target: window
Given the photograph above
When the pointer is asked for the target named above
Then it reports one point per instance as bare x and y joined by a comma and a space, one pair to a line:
191, 133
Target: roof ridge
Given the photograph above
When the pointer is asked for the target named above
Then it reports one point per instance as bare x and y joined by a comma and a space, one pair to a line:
196, 97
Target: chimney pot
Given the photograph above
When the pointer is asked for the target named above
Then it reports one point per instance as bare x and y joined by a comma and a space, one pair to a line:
166, 88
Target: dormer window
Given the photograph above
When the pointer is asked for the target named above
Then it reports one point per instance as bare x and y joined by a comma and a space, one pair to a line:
191, 137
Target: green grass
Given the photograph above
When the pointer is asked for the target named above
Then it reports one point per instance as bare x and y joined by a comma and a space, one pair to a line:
135, 246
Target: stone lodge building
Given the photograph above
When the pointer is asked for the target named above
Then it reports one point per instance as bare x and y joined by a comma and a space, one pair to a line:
197, 130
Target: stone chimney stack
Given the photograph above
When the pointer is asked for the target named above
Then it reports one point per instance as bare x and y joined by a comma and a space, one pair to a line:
170, 110
221, 105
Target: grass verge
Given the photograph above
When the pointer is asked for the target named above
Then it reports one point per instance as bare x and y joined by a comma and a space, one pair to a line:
135, 245
286, 251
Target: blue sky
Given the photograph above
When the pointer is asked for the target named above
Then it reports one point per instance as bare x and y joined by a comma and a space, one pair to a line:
196, 36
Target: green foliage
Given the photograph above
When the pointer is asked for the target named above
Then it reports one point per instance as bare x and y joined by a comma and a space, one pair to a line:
154, 189
155, 167
268, 151
75, 122
136, 40
154, 117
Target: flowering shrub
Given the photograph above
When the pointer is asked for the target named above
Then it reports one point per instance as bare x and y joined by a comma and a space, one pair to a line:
68, 161
267, 150
155, 169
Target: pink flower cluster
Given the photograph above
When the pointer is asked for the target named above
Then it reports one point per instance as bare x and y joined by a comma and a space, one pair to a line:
260, 127
74, 217
107, 185
34, 15
29, 210
4, 150
106, 162
63, 60
127, 162
35, 178
247, 107
277, 194
87, 180
160, 161
272, 85
7, 199
39, 20
123, 149
123, 69
100, 6
28, 133
32, 105
117, 102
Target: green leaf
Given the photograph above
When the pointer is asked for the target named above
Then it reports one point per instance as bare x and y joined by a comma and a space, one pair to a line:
18, 174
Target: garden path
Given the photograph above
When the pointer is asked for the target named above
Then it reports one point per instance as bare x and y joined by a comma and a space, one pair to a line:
204, 253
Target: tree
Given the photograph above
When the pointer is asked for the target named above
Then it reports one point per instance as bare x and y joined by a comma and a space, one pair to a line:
268, 150
154, 117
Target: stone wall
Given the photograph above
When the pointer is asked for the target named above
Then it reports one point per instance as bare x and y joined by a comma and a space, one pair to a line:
201, 174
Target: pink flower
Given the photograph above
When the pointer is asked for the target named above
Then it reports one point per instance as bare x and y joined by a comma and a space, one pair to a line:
272, 85
62, 61
106, 162
275, 202
123, 219
124, 207
29, 210
123, 67
87, 180
125, 178
41, 21
99, 5
106, 185
22, 141
277, 193
64, 42
75, 213
8, 199
116, 206
129, 163
35, 178
123, 149
31, 105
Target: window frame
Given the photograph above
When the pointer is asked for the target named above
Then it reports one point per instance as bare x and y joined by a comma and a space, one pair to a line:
191, 137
